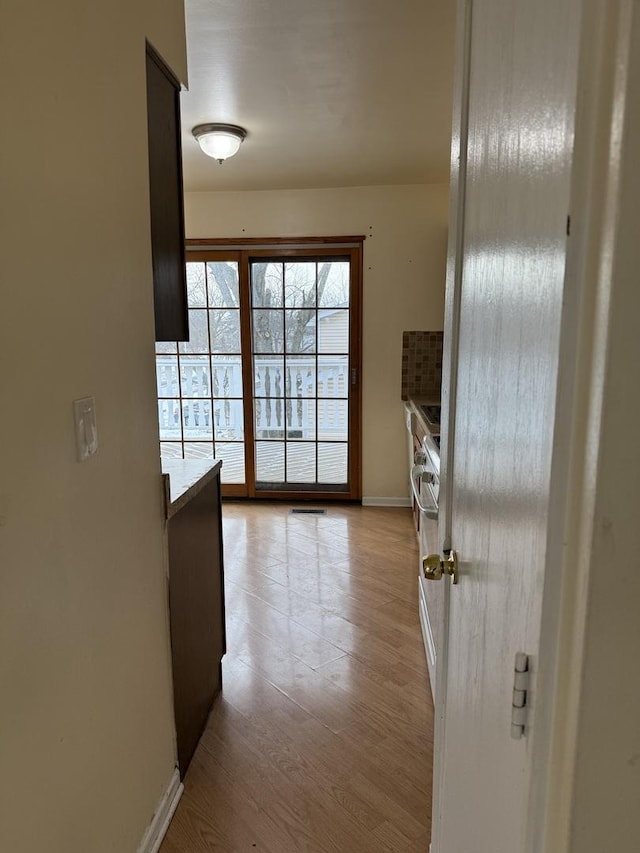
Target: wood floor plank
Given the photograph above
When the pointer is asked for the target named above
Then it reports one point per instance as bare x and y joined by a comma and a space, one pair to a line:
275, 627
333, 615
286, 773
378, 692
315, 578
363, 773
322, 739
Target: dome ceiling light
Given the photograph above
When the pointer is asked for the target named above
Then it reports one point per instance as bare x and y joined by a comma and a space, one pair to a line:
219, 141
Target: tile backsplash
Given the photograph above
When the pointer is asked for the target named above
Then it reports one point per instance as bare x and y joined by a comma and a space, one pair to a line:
421, 364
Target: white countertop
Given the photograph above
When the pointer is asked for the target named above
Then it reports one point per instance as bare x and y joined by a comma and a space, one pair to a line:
184, 478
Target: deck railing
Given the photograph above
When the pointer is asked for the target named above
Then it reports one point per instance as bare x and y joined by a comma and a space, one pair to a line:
212, 397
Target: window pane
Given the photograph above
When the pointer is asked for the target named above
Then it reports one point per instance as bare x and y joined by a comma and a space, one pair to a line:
301, 330
301, 376
269, 417
266, 285
333, 285
198, 332
268, 380
166, 346
167, 376
301, 418
333, 331
228, 420
226, 375
301, 462
232, 456
222, 282
332, 420
300, 284
195, 376
270, 461
332, 463
268, 331
225, 330
196, 285
169, 420
198, 450
170, 450
333, 376
196, 419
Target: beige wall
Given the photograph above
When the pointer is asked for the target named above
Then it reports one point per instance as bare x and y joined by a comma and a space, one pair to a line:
404, 270
86, 722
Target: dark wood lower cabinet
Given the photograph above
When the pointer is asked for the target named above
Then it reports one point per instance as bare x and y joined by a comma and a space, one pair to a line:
196, 602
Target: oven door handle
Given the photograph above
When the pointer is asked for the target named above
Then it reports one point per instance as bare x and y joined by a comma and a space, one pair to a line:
428, 512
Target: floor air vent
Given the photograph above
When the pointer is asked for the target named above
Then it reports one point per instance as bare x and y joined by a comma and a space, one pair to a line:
304, 511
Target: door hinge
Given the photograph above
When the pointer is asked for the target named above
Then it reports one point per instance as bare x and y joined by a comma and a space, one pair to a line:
354, 376
519, 700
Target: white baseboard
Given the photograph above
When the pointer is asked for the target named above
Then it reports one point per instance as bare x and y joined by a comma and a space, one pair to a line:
386, 502
159, 825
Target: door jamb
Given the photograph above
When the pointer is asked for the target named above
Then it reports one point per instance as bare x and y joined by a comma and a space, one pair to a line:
603, 95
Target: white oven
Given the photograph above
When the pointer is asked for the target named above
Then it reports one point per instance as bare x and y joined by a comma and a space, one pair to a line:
425, 488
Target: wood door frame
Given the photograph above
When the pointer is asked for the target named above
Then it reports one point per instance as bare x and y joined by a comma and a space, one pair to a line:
244, 250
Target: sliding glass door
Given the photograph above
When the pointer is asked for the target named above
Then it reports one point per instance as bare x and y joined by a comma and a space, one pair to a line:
269, 380
301, 373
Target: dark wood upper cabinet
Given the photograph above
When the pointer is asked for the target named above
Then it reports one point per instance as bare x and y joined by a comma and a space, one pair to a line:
167, 213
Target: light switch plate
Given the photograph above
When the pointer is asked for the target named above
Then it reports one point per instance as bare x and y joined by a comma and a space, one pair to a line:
84, 415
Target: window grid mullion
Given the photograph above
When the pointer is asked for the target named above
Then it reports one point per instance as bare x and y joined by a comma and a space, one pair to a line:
180, 387
317, 318
284, 361
209, 354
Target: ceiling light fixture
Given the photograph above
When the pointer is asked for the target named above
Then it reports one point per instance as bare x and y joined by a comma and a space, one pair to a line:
219, 141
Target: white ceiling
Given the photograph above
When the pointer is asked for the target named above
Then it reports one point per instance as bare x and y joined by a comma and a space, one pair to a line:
332, 92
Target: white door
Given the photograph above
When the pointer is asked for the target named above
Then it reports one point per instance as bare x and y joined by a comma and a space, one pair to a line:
512, 235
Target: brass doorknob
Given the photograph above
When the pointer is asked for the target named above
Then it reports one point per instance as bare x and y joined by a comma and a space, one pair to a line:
433, 567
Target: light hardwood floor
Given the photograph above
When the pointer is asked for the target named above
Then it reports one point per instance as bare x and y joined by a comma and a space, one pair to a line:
322, 738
